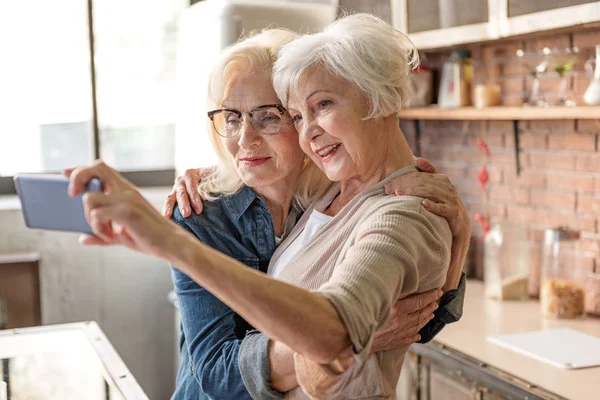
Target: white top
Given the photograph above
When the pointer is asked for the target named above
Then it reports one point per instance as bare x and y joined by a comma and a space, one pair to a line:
314, 224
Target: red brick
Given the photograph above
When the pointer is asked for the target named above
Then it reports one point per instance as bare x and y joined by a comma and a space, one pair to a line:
521, 213
494, 139
455, 174
514, 68
588, 244
451, 139
469, 155
513, 100
580, 85
497, 210
588, 163
507, 157
588, 125
553, 219
430, 126
588, 205
552, 125
573, 221
435, 154
571, 182
470, 190
509, 140
549, 86
536, 235
494, 172
572, 141
533, 140
560, 40
586, 39
501, 126
509, 194
408, 127
563, 161
527, 178
553, 200
513, 86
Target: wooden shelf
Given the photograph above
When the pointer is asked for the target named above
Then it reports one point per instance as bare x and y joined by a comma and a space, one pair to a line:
502, 113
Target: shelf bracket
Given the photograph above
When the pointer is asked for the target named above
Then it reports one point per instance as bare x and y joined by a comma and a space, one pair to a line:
417, 138
516, 137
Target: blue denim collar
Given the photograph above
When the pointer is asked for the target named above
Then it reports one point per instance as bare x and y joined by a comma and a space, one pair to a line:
239, 203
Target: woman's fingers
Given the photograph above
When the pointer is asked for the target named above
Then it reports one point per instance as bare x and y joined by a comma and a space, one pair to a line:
435, 193
169, 205
91, 240
81, 176
191, 180
416, 302
101, 224
443, 210
67, 172
425, 165
183, 201
425, 315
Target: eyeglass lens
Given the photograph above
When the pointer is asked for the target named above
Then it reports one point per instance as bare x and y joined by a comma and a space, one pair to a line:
264, 120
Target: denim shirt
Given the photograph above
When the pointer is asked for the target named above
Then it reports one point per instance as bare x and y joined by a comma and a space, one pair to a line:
241, 227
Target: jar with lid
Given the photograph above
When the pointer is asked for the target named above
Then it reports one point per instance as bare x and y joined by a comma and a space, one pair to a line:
564, 269
592, 293
506, 262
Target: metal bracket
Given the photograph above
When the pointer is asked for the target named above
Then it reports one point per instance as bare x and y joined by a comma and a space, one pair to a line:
516, 137
417, 138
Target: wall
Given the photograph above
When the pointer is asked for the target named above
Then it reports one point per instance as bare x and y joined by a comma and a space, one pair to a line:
125, 292
559, 182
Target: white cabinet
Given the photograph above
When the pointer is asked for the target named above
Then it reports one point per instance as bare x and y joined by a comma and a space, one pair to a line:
442, 23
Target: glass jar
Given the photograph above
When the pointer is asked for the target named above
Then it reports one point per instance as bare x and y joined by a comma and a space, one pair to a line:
592, 294
564, 270
506, 262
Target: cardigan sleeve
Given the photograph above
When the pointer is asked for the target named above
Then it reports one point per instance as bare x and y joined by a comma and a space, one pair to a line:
394, 251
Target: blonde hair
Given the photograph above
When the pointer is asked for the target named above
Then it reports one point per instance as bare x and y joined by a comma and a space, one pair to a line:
256, 53
361, 49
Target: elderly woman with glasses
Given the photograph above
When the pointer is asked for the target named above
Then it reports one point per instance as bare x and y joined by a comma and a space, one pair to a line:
344, 259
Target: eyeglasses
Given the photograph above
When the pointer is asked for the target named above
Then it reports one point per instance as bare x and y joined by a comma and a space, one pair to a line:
267, 119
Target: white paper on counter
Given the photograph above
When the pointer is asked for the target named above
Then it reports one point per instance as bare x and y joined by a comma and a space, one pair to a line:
564, 347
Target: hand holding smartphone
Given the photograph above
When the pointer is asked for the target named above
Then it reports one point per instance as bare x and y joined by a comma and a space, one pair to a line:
46, 204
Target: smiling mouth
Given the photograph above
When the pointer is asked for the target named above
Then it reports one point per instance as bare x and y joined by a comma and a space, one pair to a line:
327, 150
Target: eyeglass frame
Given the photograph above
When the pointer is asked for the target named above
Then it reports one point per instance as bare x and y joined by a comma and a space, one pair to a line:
240, 114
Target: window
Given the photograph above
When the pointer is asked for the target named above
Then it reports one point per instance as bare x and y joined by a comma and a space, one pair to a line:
47, 96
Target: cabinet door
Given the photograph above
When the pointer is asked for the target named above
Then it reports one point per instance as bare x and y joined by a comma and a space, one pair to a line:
443, 386
408, 384
539, 15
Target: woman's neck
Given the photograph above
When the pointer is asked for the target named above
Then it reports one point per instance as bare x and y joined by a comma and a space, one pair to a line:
278, 199
397, 155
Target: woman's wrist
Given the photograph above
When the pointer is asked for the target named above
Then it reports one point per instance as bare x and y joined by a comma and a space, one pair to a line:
180, 248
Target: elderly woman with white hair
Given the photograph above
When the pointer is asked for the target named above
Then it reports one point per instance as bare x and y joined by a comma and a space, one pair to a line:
353, 252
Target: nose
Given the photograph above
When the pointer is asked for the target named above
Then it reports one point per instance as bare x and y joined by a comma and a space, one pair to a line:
248, 137
311, 130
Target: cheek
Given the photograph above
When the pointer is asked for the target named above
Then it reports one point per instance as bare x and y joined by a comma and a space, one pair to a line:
230, 146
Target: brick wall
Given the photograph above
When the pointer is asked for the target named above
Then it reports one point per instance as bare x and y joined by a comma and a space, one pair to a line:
559, 182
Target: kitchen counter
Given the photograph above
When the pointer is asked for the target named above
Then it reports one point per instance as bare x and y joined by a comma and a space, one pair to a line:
484, 317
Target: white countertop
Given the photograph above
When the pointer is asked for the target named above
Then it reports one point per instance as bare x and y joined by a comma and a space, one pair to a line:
484, 317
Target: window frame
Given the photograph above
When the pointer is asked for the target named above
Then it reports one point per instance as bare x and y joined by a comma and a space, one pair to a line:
141, 178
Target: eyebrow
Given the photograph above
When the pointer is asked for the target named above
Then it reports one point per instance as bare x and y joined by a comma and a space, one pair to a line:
313, 93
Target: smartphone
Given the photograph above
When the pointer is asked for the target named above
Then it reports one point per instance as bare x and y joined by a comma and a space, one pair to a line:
46, 204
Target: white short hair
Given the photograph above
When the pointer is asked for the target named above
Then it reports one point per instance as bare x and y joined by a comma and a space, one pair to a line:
255, 53
361, 49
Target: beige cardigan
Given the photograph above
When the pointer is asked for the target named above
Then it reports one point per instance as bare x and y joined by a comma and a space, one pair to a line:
377, 248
